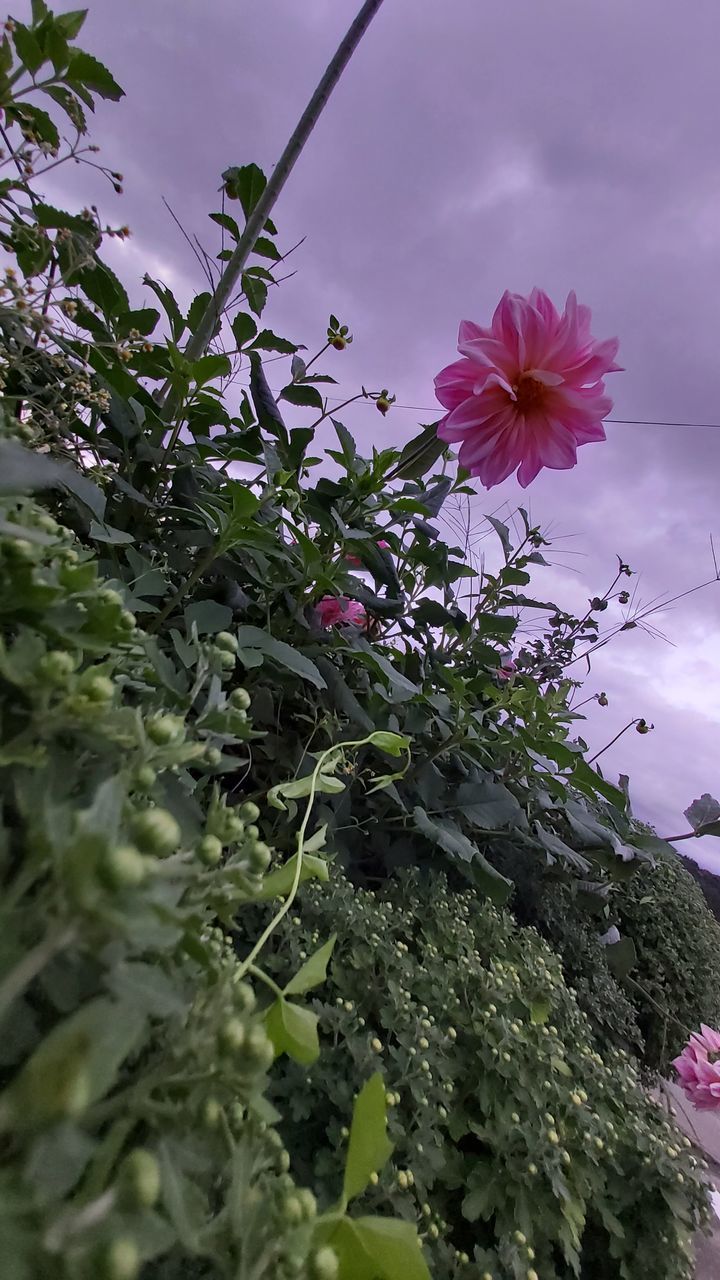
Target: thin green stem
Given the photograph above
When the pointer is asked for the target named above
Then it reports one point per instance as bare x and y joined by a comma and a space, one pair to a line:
612, 741
32, 964
265, 977
202, 565
249, 960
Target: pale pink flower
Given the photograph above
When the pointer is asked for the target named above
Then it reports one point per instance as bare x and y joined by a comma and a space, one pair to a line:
698, 1067
356, 563
339, 611
527, 391
506, 671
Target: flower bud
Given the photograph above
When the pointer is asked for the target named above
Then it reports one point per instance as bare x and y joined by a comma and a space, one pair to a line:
156, 831
139, 1181
123, 868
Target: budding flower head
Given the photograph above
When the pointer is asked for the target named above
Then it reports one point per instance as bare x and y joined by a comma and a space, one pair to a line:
384, 400
642, 726
624, 597
602, 699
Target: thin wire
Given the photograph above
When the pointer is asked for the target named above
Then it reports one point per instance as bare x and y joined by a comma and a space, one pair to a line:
629, 422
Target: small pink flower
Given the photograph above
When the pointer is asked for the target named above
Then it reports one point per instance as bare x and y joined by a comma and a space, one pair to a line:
698, 1067
356, 563
506, 671
339, 611
527, 391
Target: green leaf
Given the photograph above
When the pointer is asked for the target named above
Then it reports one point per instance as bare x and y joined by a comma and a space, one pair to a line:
229, 224
144, 320
106, 533
293, 1030
22, 471
249, 182
71, 23
31, 117
255, 291
70, 105
86, 71
208, 616
420, 454
102, 287
621, 957
266, 249
313, 972
147, 988
77, 1063
27, 48
393, 743
244, 328
703, 813
210, 367
398, 682
393, 1246
170, 306
451, 839
324, 784
539, 1012
281, 653
369, 1146
303, 396
269, 341
279, 883
503, 534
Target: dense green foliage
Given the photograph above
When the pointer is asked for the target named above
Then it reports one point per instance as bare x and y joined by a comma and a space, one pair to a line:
183, 738
516, 1143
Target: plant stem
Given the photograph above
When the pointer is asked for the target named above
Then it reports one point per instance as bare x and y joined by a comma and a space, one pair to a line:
202, 564
609, 744
688, 835
256, 221
32, 964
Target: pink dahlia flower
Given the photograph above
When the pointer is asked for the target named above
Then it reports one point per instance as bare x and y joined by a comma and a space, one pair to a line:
698, 1067
527, 391
339, 611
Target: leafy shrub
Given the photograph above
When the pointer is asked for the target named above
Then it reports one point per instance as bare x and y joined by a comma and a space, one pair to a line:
133, 1060
517, 1146
670, 980
127, 1021
677, 945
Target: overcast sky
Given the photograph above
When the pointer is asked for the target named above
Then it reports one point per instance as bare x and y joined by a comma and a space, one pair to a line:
474, 146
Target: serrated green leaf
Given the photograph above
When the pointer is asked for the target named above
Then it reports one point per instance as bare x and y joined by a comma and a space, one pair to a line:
279, 883
313, 972
281, 653
88, 73
293, 1030
369, 1146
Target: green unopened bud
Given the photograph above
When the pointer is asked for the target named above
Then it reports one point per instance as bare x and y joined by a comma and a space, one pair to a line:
56, 666
212, 1112
98, 688
240, 699
232, 1036
224, 640
325, 1264
156, 831
259, 857
227, 660
163, 730
210, 850
120, 1260
139, 1180
145, 777
123, 867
